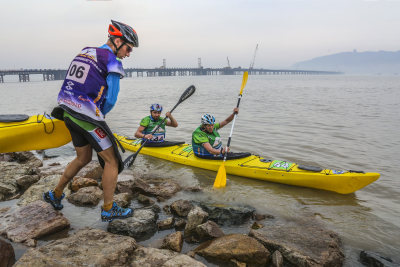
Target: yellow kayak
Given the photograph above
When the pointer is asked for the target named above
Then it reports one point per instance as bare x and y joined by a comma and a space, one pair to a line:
343, 182
24, 133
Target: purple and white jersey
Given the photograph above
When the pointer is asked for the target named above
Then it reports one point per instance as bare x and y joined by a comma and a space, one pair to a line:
85, 86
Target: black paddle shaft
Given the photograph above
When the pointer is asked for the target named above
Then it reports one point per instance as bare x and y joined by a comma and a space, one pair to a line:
188, 92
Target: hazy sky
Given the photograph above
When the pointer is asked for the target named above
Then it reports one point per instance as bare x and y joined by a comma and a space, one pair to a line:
49, 33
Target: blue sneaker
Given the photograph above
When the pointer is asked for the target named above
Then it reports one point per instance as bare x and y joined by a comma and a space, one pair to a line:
50, 197
116, 212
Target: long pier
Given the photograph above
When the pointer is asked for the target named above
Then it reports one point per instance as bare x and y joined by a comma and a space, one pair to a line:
57, 74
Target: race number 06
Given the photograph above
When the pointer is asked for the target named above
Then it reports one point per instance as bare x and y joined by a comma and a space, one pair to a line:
78, 71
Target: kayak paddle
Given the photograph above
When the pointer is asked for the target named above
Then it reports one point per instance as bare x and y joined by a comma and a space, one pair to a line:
220, 180
188, 92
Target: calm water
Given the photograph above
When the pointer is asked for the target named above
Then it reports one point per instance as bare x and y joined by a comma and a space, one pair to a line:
339, 122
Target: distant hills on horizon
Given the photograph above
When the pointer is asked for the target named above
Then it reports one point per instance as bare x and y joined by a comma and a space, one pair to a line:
380, 62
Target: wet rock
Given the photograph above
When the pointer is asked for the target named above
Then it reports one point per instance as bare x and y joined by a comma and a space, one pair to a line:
194, 189
159, 188
196, 217
141, 225
125, 187
81, 182
35, 192
372, 259
235, 246
26, 158
144, 256
52, 170
7, 255
304, 242
228, 215
92, 170
142, 199
15, 178
87, 247
155, 208
208, 231
260, 217
163, 188
31, 222
181, 207
54, 164
166, 224
180, 223
123, 199
256, 225
30, 243
5, 157
166, 209
277, 259
25, 181
87, 196
173, 242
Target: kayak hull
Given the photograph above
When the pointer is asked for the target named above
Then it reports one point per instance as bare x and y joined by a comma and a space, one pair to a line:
37, 132
256, 167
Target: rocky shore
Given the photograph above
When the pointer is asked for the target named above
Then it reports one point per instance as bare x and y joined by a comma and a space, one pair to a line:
192, 233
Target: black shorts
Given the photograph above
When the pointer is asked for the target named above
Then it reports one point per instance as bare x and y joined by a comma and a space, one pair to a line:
98, 140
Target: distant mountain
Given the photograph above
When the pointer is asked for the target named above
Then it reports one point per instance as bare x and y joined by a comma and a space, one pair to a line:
381, 62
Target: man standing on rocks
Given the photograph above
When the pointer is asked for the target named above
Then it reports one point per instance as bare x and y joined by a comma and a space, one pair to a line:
88, 93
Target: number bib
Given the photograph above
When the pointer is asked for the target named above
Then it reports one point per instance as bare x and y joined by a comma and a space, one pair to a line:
78, 71
85, 85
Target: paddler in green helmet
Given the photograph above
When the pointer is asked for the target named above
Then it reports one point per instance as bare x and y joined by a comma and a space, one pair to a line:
149, 123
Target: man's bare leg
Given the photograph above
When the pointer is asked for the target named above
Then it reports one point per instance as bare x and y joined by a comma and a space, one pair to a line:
83, 157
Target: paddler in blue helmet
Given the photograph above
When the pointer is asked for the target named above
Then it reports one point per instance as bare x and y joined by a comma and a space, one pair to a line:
89, 92
149, 123
206, 141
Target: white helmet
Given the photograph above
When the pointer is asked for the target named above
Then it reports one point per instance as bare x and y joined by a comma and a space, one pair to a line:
207, 119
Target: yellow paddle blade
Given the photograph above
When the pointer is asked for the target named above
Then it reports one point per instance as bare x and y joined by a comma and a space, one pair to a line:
220, 180
244, 81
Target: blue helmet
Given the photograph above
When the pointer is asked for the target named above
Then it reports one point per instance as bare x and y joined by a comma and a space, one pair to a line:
156, 107
207, 119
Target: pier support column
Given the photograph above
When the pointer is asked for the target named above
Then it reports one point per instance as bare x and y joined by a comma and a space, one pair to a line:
1, 78
23, 77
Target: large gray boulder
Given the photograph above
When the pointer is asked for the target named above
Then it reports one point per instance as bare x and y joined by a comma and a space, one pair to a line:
227, 214
31, 222
302, 242
238, 247
87, 247
141, 225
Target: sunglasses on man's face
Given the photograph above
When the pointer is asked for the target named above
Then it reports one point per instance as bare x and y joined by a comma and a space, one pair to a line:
128, 48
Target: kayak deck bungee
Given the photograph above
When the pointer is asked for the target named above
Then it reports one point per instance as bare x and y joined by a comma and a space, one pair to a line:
343, 182
24, 133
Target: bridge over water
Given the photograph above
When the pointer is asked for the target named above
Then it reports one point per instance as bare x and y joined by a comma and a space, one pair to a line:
57, 74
